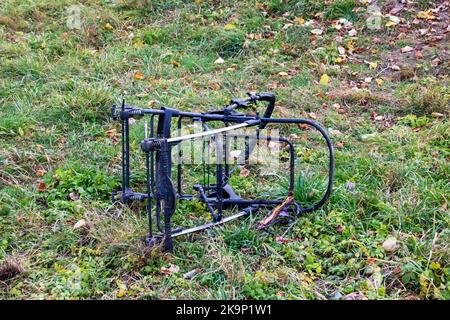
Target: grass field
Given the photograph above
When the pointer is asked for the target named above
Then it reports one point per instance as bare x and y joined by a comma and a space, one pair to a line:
383, 94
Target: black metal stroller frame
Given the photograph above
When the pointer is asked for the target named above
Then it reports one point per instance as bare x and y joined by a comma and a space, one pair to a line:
160, 187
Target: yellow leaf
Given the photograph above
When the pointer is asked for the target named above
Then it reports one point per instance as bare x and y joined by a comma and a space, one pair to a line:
339, 60
138, 43
427, 15
283, 74
390, 24
299, 20
372, 65
121, 293
176, 63
109, 27
435, 266
138, 75
393, 20
350, 46
229, 26
21, 132
324, 79
379, 81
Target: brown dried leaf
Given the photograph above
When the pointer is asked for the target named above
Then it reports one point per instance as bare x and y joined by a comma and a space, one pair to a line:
282, 240
41, 171
138, 75
171, 269
244, 172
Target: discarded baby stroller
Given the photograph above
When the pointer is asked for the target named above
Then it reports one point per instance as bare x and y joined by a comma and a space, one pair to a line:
163, 190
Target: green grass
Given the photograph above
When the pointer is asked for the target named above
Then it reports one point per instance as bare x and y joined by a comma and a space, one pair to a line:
56, 89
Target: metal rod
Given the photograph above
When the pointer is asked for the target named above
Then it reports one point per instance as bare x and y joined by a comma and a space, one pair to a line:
212, 132
212, 224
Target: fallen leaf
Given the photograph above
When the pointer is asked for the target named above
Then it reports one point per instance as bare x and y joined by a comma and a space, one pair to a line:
229, 26
350, 186
435, 62
339, 60
390, 244
390, 24
355, 296
368, 137
334, 132
109, 27
273, 86
190, 274
418, 54
394, 19
424, 31
214, 86
244, 172
138, 43
287, 25
171, 269
151, 103
74, 196
437, 115
312, 115
299, 20
352, 32
80, 224
292, 72
21, 132
112, 133
41, 187
336, 106
350, 46
317, 31
138, 75
232, 68
407, 49
426, 15
379, 81
176, 63
219, 60
372, 65
324, 79
121, 293
41, 171
283, 74
282, 240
